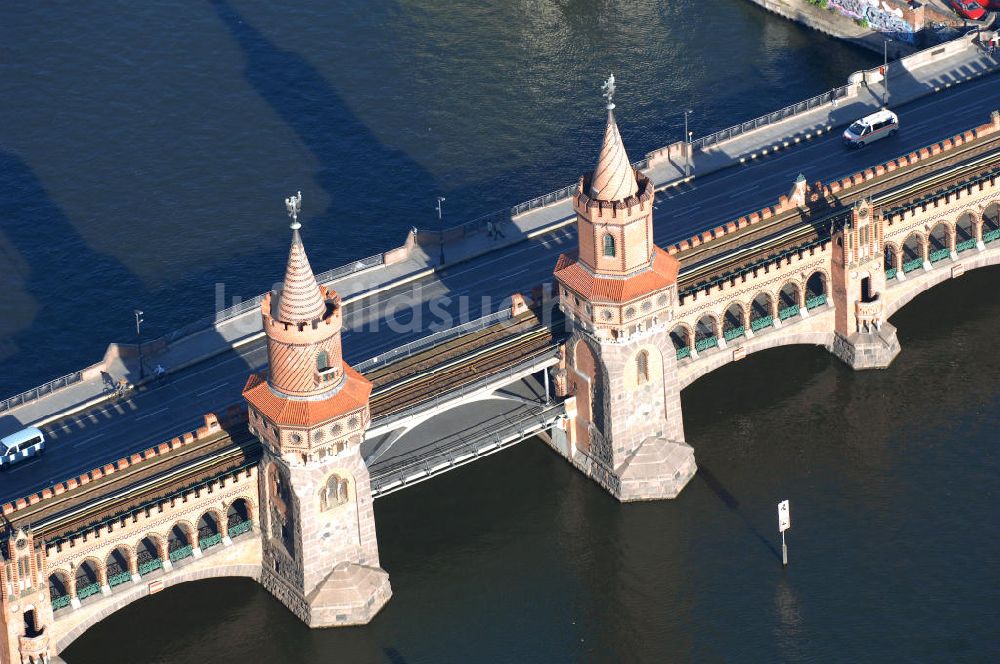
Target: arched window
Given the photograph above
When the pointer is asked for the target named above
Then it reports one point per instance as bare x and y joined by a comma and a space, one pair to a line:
322, 361
334, 493
642, 367
609, 245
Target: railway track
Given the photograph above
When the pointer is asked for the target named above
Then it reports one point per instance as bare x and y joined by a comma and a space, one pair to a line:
453, 373
791, 231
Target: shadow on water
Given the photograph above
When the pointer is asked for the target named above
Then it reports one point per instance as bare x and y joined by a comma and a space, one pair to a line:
731, 502
347, 150
35, 225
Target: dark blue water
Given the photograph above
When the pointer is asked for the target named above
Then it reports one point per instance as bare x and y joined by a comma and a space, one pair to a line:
145, 148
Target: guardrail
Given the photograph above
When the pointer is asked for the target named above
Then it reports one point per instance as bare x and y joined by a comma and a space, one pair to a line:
40, 391
323, 278
502, 430
440, 336
771, 118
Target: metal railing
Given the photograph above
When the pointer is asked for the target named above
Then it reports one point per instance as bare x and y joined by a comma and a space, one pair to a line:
771, 118
503, 430
451, 395
322, 277
41, 390
408, 349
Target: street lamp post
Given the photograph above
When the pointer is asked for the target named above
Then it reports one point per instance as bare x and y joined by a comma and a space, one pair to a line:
885, 71
687, 144
441, 225
138, 334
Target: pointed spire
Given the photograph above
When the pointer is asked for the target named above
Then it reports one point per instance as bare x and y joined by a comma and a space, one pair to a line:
300, 300
613, 179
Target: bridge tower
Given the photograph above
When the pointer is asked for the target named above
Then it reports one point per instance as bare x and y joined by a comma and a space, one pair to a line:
310, 413
863, 339
618, 291
25, 608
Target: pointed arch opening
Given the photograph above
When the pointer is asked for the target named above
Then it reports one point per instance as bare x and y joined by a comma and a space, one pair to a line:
965, 232
734, 324
991, 223
609, 245
642, 367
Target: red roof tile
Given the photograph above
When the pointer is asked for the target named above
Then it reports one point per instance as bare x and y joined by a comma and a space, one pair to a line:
574, 276
304, 413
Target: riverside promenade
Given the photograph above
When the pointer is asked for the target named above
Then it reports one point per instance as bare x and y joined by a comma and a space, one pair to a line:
672, 169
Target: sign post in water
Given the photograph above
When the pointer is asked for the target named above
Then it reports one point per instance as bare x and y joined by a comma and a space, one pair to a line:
784, 523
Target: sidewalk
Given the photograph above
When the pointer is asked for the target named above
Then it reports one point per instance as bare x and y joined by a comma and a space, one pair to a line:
917, 76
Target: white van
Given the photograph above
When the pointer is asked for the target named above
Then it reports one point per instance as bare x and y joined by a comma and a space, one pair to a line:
871, 128
22, 445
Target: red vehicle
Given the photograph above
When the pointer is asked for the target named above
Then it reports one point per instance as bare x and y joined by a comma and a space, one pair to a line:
970, 9
992, 5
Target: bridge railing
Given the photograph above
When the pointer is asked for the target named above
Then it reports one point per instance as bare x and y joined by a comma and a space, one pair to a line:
408, 349
497, 429
771, 118
323, 278
468, 388
40, 391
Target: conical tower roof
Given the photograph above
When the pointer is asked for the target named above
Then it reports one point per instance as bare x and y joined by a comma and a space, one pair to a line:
300, 300
613, 179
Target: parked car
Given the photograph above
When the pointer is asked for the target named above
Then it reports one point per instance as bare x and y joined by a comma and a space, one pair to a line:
970, 9
871, 128
22, 445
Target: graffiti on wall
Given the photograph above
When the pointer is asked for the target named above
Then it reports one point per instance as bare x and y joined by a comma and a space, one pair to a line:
880, 15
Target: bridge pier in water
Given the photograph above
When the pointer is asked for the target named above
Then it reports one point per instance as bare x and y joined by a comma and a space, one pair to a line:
618, 291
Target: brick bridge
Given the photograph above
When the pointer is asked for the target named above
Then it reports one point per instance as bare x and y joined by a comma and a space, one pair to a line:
281, 489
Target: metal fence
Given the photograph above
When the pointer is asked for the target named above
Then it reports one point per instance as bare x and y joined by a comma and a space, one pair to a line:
323, 278
502, 431
434, 339
40, 391
771, 118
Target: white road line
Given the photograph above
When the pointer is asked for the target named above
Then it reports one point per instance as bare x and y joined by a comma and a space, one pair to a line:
87, 440
155, 412
212, 389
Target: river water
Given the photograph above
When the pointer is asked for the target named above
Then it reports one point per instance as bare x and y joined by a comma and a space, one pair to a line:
144, 152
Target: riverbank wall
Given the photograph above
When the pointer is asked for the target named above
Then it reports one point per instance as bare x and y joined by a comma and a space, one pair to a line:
902, 32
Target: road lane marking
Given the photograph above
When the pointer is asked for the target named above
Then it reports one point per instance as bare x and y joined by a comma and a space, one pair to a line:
87, 440
212, 389
155, 412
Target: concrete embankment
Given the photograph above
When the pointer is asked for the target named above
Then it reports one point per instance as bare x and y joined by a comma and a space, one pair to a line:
835, 24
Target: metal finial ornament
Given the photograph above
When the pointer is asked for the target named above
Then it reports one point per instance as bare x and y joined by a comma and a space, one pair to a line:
294, 205
608, 90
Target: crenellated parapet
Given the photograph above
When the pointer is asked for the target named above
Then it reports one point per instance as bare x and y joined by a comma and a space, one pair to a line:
183, 510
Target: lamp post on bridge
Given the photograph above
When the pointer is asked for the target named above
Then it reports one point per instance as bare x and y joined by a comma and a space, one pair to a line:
138, 334
441, 200
885, 71
687, 144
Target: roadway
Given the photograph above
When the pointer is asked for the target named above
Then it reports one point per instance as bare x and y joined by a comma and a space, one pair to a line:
468, 291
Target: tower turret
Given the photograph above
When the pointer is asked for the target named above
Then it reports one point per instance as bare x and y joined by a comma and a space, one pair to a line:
310, 412
619, 291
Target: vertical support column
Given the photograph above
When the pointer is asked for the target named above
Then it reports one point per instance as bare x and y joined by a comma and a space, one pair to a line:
978, 229
163, 552
775, 308
925, 249
133, 564
952, 236
898, 257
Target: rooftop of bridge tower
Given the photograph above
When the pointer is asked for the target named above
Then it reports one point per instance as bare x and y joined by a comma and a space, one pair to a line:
300, 299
